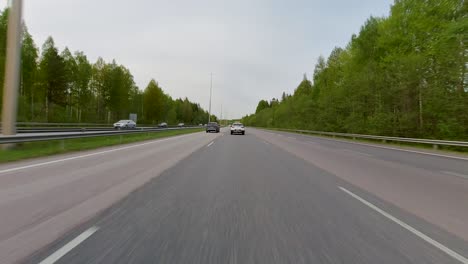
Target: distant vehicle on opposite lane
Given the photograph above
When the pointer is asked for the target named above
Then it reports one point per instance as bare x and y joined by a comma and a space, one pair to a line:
212, 127
125, 124
181, 125
163, 124
237, 128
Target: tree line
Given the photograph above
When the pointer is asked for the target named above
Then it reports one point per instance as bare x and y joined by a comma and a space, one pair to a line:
61, 86
402, 75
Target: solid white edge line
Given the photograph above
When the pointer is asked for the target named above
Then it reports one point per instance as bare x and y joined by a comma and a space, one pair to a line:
376, 146
357, 152
69, 246
211, 143
88, 155
429, 240
455, 174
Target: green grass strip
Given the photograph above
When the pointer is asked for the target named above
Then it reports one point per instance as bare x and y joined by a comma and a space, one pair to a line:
46, 148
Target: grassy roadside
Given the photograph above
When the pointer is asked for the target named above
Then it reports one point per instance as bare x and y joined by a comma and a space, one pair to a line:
460, 151
46, 148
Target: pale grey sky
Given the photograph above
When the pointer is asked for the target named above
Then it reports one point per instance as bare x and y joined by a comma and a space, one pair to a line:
256, 49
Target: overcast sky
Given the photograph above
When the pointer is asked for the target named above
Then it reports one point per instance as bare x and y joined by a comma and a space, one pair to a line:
256, 49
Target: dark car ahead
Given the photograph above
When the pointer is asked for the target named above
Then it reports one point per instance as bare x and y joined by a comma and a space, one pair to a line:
212, 127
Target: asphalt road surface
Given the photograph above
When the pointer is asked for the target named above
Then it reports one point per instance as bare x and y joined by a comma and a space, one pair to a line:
266, 197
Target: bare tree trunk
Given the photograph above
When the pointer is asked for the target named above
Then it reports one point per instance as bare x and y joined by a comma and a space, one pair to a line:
462, 86
420, 109
47, 108
32, 105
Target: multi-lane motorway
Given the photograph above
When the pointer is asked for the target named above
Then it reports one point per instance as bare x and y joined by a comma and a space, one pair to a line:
266, 197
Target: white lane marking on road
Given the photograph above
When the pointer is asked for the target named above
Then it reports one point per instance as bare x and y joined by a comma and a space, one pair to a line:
292, 137
86, 155
357, 152
69, 246
455, 174
210, 144
266, 142
312, 142
421, 235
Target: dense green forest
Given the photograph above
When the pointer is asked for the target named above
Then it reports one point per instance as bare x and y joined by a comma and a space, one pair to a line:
402, 75
66, 87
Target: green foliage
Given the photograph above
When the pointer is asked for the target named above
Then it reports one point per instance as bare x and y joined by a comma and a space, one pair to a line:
153, 102
53, 78
66, 87
263, 104
403, 75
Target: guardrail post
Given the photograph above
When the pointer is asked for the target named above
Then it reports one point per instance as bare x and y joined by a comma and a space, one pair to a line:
120, 138
354, 138
384, 141
435, 146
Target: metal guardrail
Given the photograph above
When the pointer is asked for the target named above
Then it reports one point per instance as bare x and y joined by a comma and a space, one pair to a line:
73, 129
30, 137
33, 124
61, 129
434, 142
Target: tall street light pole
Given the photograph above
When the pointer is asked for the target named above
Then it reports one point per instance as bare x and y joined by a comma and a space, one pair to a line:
211, 88
10, 91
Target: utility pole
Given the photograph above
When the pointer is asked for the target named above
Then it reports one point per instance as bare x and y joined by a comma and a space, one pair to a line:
12, 66
211, 88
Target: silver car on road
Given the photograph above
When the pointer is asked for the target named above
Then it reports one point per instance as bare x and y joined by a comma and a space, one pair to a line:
125, 124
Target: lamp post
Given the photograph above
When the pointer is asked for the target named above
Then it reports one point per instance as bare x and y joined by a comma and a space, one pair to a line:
12, 66
211, 88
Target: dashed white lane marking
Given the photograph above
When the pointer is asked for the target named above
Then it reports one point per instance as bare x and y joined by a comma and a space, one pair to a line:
69, 246
455, 174
266, 143
421, 235
210, 144
291, 137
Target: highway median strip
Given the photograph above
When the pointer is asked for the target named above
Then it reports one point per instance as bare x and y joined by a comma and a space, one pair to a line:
47, 148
